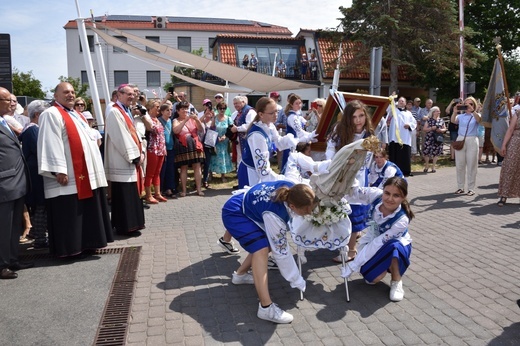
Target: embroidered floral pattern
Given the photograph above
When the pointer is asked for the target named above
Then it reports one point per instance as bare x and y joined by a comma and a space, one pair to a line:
262, 162
263, 194
279, 242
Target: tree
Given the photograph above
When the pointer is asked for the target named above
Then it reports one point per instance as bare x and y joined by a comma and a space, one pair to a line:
25, 84
490, 19
420, 36
189, 72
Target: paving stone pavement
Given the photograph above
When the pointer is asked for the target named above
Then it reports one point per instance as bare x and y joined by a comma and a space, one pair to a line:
461, 289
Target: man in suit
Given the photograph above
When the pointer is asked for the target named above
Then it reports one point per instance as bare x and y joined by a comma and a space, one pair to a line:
13, 187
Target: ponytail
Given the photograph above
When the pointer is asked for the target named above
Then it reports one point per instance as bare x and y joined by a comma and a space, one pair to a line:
300, 195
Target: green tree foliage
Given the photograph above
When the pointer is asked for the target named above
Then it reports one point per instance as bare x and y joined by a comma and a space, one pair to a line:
25, 84
490, 19
421, 36
189, 72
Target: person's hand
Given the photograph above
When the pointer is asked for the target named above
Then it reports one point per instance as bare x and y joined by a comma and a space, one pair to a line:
346, 271
234, 129
62, 179
503, 150
313, 137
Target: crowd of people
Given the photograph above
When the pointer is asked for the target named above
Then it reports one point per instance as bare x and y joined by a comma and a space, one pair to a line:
60, 175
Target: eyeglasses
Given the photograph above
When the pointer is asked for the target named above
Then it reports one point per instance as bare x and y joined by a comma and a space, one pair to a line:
222, 109
79, 105
272, 113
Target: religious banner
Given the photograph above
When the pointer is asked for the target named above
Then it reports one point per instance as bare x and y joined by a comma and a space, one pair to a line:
495, 110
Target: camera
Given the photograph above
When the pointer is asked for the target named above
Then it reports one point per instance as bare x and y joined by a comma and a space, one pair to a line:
170, 90
141, 109
209, 105
462, 108
457, 100
192, 109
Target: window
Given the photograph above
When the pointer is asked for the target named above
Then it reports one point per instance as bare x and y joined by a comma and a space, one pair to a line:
153, 78
120, 77
184, 43
211, 40
266, 57
84, 77
119, 50
155, 39
90, 40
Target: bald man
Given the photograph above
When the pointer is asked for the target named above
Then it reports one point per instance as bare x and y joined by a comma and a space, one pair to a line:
74, 179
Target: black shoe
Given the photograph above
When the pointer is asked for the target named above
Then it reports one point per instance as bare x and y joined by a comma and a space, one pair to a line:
146, 206
7, 274
44, 245
235, 187
21, 265
133, 234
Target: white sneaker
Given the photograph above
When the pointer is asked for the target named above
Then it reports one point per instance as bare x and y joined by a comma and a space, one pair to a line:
396, 291
271, 264
244, 279
227, 246
274, 314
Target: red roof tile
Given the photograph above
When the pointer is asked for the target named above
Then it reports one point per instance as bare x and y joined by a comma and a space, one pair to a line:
350, 69
246, 27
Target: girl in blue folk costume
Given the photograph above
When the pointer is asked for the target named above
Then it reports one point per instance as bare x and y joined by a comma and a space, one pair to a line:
295, 126
261, 136
387, 246
259, 219
354, 124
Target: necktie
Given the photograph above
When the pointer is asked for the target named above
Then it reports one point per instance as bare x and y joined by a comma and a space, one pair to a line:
4, 123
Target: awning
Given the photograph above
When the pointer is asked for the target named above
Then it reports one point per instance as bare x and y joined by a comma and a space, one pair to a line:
141, 53
242, 77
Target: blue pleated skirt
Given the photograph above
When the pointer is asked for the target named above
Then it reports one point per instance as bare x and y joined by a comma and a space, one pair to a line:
250, 236
381, 261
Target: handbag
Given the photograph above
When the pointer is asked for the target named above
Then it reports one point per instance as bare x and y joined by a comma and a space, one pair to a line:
458, 145
211, 138
439, 138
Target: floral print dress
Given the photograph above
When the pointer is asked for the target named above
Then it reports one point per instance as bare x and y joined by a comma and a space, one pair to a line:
430, 147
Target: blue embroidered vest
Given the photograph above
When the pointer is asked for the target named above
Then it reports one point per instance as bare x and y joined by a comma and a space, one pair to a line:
385, 226
248, 157
257, 201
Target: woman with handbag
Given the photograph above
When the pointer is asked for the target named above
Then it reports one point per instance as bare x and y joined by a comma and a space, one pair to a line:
434, 128
466, 157
189, 149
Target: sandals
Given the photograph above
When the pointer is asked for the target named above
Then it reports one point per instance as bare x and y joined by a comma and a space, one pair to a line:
206, 185
151, 200
337, 259
425, 170
160, 198
433, 170
502, 201
459, 192
471, 193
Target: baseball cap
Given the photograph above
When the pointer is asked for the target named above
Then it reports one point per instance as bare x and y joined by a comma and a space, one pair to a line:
219, 95
206, 101
274, 94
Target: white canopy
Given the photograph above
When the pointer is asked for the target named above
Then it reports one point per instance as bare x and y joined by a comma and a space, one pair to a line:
139, 52
242, 77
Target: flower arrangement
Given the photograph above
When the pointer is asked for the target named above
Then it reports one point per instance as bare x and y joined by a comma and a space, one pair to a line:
329, 212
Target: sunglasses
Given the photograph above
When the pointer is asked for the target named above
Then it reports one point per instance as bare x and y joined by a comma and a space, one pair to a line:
80, 104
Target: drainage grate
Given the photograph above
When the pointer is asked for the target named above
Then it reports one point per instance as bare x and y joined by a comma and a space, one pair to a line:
113, 326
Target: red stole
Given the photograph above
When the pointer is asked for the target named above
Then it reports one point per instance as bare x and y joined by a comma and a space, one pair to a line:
78, 155
133, 133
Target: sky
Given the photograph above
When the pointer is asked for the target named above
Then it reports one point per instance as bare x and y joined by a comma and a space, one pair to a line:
38, 38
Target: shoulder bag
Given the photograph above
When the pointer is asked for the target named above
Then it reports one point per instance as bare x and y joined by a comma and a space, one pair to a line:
458, 145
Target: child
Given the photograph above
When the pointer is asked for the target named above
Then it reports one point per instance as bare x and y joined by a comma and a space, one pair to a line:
258, 218
387, 245
381, 169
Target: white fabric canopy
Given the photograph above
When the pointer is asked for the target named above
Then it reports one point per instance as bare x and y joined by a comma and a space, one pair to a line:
242, 77
139, 52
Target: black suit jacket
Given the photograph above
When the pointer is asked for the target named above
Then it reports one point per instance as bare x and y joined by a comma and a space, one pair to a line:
14, 174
